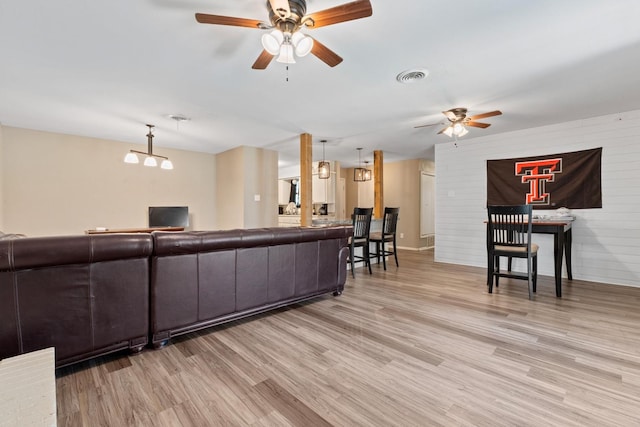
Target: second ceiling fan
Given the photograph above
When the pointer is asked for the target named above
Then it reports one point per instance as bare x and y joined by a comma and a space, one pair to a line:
286, 18
458, 119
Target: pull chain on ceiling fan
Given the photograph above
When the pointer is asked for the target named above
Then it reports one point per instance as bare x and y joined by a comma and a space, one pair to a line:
286, 18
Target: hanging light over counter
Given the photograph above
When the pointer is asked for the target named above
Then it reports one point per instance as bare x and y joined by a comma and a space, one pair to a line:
361, 174
324, 168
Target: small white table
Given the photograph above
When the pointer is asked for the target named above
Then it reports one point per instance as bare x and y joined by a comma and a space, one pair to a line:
28, 389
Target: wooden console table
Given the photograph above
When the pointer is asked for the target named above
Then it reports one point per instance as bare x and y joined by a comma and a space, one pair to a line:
133, 230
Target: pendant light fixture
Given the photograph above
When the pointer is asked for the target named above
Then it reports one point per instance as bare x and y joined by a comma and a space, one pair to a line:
361, 174
324, 168
367, 171
150, 158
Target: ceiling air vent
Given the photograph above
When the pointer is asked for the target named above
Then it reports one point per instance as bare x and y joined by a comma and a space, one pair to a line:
410, 76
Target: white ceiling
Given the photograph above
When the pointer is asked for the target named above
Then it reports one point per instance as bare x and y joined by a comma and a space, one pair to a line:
105, 69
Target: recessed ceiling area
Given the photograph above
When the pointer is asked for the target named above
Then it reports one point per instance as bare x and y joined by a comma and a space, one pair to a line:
105, 69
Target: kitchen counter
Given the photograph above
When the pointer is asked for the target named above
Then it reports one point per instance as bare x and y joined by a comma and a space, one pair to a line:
324, 221
316, 220
329, 221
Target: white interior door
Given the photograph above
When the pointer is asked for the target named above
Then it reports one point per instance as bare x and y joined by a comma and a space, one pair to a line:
427, 205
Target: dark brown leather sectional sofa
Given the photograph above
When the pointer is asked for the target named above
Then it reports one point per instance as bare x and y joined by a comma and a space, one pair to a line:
94, 294
83, 295
200, 279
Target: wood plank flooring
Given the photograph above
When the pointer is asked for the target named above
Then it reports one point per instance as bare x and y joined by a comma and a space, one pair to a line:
421, 345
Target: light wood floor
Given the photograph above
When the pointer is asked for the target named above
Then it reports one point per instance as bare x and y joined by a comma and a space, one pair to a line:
422, 345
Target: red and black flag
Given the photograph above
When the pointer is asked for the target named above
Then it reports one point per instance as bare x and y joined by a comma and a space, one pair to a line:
571, 180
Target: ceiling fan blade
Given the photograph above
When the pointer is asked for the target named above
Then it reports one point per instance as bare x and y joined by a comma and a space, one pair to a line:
346, 12
204, 18
263, 61
281, 8
442, 130
450, 115
485, 115
426, 126
325, 54
476, 124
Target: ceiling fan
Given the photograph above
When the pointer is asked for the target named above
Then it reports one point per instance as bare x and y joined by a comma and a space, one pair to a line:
458, 120
286, 18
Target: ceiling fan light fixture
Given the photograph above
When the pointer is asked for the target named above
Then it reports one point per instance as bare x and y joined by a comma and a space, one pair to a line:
271, 41
456, 129
286, 54
303, 43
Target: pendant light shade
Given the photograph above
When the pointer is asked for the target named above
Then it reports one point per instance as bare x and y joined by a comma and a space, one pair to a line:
324, 168
367, 171
131, 158
361, 174
150, 161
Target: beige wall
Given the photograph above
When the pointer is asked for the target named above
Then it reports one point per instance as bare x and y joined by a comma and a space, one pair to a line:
358, 194
54, 184
58, 184
401, 189
243, 174
229, 188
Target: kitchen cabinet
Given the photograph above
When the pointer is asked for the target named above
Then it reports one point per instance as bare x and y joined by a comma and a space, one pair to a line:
324, 190
284, 191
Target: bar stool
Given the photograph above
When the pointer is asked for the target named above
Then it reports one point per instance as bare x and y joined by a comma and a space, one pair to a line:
386, 235
360, 238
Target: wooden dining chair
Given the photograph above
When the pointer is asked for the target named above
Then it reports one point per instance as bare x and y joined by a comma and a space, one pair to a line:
509, 235
360, 238
386, 235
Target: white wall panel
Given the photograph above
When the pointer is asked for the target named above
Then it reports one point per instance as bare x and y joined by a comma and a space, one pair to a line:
606, 241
